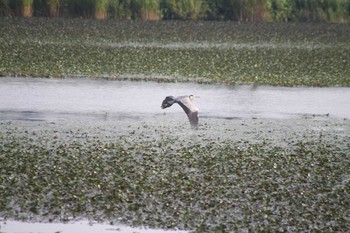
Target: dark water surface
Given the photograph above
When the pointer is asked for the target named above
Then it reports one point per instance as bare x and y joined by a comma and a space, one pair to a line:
60, 99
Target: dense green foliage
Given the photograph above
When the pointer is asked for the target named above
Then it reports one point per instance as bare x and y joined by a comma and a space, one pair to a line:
239, 10
165, 179
199, 51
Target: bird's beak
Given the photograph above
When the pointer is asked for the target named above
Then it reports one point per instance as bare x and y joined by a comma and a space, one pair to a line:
197, 97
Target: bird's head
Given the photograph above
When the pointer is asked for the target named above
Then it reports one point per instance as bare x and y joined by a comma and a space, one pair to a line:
193, 97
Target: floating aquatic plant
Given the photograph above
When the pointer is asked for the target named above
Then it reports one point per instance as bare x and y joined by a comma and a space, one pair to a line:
173, 182
211, 52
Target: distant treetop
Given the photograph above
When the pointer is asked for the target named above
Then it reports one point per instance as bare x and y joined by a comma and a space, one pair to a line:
237, 10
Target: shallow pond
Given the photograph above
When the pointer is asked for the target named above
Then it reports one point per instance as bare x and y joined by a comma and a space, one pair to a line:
59, 99
260, 131
74, 227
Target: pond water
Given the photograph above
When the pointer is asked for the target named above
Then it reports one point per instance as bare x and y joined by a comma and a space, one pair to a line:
73, 227
38, 99
60, 99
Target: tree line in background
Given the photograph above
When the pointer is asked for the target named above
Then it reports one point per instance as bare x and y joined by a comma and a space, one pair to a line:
237, 10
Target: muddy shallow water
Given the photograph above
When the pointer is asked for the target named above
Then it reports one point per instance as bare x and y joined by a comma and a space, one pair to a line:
53, 99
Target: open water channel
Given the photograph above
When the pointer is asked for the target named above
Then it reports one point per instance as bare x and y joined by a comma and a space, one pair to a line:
62, 99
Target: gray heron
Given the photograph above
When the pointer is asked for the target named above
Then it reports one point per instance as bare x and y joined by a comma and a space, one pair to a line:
186, 104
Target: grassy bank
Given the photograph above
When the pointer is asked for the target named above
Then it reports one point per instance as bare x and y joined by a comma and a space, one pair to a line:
212, 52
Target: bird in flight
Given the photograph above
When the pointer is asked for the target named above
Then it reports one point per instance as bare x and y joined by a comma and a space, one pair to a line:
186, 104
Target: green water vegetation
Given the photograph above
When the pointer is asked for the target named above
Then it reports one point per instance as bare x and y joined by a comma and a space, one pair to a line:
153, 176
238, 10
288, 54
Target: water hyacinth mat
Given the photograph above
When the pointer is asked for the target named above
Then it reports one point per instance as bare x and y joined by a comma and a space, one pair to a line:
238, 175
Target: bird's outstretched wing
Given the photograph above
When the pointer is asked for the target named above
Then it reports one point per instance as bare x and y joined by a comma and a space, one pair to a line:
167, 102
193, 117
191, 111
186, 104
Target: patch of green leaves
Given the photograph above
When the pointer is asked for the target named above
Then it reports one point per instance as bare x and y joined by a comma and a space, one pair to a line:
210, 52
173, 183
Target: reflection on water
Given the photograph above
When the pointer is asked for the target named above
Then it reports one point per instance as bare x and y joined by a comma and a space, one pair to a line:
43, 99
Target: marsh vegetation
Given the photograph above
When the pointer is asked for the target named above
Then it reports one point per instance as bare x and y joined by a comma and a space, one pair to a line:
231, 175
226, 176
210, 52
237, 10
136, 166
